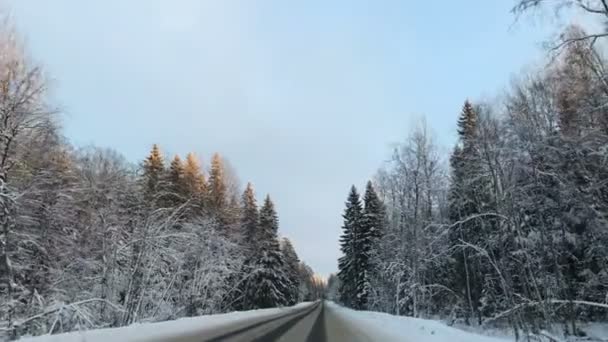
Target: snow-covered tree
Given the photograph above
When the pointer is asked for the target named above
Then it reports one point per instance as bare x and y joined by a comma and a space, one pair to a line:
292, 263
153, 175
175, 182
250, 218
88, 240
217, 186
194, 180
352, 264
267, 285
333, 284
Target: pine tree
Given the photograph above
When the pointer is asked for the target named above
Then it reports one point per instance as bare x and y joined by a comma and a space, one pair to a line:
349, 264
373, 227
468, 197
194, 180
292, 263
373, 214
250, 218
250, 234
217, 184
467, 124
152, 177
267, 285
175, 180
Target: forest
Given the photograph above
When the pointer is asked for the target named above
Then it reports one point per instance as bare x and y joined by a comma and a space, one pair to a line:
510, 227
91, 240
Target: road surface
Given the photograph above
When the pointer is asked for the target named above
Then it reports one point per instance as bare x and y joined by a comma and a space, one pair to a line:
304, 322
314, 323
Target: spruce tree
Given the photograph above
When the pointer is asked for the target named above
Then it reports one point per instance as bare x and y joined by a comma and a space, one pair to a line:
217, 184
267, 284
467, 197
152, 177
467, 124
372, 222
373, 213
349, 271
249, 218
175, 180
250, 234
292, 263
194, 180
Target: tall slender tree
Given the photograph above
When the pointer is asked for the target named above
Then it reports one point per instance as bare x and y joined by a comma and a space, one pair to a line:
267, 285
175, 180
152, 177
217, 184
292, 263
465, 202
194, 179
373, 219
250, 218
349, 264
373, 227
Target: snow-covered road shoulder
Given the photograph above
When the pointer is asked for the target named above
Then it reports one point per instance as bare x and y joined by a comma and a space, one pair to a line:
375, 326
169, 330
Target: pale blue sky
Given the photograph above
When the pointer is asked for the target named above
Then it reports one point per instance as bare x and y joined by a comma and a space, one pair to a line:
304, 97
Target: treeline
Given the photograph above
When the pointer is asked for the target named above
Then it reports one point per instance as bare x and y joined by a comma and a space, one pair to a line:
89, 240
512, 227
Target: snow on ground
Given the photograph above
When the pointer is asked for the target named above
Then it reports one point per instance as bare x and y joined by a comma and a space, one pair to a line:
159, 331
595, 331
365, 324
387, 328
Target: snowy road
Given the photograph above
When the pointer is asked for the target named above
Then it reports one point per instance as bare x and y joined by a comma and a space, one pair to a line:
298, 325
320, 322
316, 322
305, 322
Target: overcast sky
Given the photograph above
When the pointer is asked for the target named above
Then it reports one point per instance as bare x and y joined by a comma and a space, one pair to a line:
303, 97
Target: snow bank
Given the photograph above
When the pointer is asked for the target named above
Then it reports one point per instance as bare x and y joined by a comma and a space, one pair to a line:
384, 327
164, 330
595, 331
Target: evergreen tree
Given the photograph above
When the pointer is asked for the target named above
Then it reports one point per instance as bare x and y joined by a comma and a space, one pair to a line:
468, 197
461, 206
152, 177
267, 284
217, 184
373, 219
373, 227
292, 263
250, 218
194, 180
349, 264
175, 180
251, 238
467, 125
185, 183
